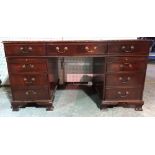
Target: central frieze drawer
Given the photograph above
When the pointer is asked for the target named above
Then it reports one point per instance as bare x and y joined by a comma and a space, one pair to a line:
60, 49
129, 79
76, 49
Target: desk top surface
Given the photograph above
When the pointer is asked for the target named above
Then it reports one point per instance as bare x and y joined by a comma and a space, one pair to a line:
74, 41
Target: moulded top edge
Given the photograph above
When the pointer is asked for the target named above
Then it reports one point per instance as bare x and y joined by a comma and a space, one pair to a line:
72, 41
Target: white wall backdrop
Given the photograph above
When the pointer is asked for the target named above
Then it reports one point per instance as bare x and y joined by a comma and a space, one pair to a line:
3, 67
75, 19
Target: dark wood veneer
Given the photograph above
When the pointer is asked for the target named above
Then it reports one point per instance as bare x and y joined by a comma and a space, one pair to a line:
31, 93
20, 66
123, 94
128, 48
128, 65
125, 79
20, 49
119, 68
29, 80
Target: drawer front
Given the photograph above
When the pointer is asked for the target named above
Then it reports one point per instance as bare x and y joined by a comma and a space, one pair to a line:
31, 94
128, 79
123, 94
27, 67
60, 49
24, 49
29, 80
126, 59
126, 66
91, 49
129, 48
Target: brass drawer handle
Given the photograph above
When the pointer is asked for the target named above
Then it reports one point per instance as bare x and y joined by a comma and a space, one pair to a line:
123, 80
30, 48
25, 51
126, 50
24, 66
123, 95
31, 66
95, 47
30, 92
64, 50
126, 64
27, 66
27, 92
29, 82
89, 50
33, 79
132, 47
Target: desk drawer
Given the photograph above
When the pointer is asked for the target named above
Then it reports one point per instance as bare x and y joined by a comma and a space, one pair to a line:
29, 66
91, 49
60, 49
24, 49
123, 93
29, 80
31, 94
126, 59
121, 65
129, 48
129, 79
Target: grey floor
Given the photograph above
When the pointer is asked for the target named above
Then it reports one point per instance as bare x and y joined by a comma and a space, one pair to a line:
77, 103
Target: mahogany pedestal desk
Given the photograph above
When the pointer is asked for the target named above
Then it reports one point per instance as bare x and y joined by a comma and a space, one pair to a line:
119, 69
